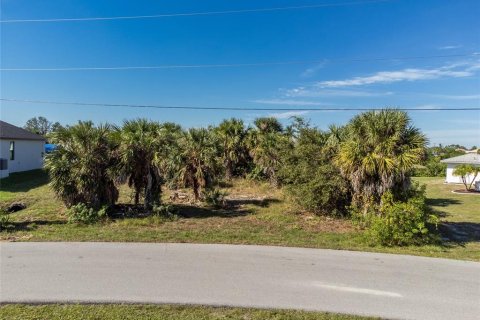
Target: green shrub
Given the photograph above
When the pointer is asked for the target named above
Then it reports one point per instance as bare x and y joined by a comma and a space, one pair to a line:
4, 219
320, 190
401, 223
214, 197
165, 211
256, 174
435, 168
80, 213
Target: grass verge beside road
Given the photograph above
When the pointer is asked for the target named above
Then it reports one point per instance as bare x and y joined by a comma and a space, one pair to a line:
260, 216
156, 312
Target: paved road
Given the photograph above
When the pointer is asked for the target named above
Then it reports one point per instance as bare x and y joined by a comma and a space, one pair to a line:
390, 286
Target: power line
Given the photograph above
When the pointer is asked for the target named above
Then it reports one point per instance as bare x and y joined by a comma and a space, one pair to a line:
236, 65
169, 15
226, 108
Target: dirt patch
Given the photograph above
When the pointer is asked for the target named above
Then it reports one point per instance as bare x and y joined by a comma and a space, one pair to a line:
311, 222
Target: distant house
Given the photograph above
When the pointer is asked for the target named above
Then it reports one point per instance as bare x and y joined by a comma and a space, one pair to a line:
452, 163
20, 150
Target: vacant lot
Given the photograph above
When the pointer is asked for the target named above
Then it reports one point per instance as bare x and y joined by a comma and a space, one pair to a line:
257, 215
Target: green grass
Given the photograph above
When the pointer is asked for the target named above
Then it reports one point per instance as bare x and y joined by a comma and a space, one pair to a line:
453, 207
156, 312
270, 222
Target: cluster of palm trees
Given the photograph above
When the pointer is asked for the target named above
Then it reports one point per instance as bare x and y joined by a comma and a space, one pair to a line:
374, 152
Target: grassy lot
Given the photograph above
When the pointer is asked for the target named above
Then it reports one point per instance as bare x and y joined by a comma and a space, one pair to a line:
259, 215
156, 312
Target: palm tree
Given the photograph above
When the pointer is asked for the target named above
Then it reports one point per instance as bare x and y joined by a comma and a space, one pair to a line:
170, 135
379, 151
196, 161
266, 142
140, 142
231, 137
80, 169
268, 125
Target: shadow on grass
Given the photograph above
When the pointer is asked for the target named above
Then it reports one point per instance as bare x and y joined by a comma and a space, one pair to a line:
24, 181
233, 208
437, 203
190, 211
461, 232
31, 225
441, 202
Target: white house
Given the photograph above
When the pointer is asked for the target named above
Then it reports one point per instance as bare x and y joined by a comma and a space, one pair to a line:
452, 163
20, 150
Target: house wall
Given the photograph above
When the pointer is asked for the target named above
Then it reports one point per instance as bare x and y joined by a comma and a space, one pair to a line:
455, 179
28, 154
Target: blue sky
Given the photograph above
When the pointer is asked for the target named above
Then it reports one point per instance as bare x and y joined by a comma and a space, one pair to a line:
397, 28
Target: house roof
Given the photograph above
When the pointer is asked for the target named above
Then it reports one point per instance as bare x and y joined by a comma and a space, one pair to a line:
9, 131
469, 158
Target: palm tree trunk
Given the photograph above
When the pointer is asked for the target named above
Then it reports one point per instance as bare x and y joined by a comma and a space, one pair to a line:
137, 197
196, 189
147, 202
273, 179
228, 170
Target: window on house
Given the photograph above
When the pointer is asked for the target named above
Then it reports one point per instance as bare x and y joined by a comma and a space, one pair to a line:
12, 150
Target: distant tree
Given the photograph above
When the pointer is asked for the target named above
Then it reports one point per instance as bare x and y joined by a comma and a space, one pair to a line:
41, 126
464, 171
56, 126
268, 125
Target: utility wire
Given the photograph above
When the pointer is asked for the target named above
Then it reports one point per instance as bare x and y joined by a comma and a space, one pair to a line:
226, 108
207, 13
236, 65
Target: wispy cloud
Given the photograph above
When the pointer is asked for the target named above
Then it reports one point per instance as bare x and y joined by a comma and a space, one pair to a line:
312, 70
457, 97
426, 107
288, 114
288, 102
457, 70
316, 91
450, 47
466, 136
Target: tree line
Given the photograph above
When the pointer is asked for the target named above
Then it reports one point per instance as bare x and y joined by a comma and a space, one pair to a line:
361, 169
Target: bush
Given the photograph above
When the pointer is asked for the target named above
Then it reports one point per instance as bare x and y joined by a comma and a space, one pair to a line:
80, 213
309, 176
256, 173
4, 219
214, 197
433, 168
319, 189
165, 211
401, 223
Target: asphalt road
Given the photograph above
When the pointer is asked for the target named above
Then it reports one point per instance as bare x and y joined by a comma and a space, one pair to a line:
391, 286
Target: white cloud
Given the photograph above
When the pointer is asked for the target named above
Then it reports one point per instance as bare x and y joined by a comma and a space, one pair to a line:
288, 114
457, 70
288, 102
